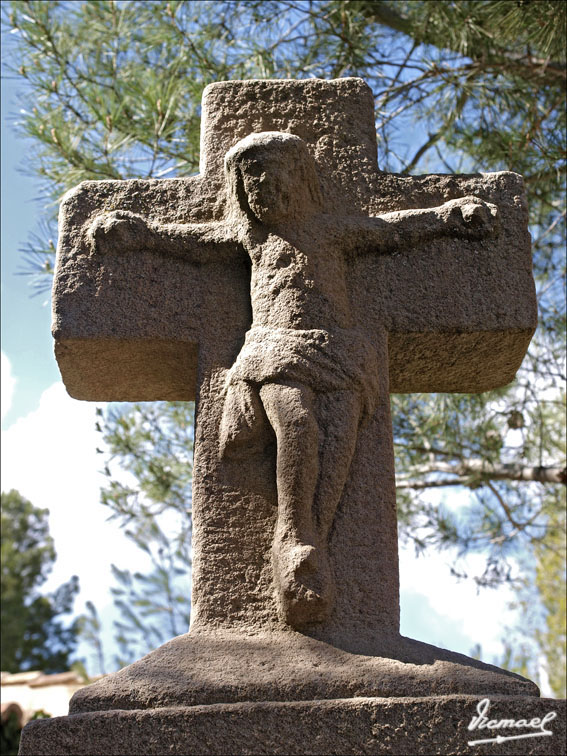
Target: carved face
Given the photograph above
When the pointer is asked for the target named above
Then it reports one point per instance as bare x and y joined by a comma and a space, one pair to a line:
272, 175
270, 186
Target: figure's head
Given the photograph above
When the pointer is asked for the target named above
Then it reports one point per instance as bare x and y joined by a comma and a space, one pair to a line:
273, 176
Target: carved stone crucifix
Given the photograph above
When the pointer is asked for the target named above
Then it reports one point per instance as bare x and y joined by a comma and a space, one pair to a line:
289, 288
305, 369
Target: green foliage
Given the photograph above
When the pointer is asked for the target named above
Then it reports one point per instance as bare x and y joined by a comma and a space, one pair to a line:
496, 444
537, 644
90, 630
10, 732
112, 90
80, 668
40, 714
33, 636
549, 590
153, 444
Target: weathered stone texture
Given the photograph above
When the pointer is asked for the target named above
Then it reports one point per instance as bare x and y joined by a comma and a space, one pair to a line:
206, 668
150, 299
289, 288
400, 726
450, 314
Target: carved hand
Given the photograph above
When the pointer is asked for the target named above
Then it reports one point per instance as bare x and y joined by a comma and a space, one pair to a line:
118, 230
470, 216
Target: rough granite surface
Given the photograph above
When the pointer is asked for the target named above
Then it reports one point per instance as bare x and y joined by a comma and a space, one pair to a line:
401, 726
289, 288
399, 283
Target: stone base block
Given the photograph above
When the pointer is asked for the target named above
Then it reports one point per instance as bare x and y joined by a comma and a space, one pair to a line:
433, 725
203, 668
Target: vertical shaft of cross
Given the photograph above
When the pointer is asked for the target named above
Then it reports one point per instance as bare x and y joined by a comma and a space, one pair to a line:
235, 514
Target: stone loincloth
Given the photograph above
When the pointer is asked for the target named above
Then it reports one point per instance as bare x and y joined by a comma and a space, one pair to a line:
325, 361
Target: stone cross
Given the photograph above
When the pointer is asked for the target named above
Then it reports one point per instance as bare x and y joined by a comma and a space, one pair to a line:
289, 288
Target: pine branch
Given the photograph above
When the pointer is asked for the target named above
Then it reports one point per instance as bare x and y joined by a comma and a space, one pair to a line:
433, 138
478, 469
381, 12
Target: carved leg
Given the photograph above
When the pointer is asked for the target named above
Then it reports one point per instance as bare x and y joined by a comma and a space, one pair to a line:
302, 595
242, 421
338, 413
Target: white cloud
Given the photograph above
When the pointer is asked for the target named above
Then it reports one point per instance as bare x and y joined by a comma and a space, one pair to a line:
457, 611
8, 383
50, 457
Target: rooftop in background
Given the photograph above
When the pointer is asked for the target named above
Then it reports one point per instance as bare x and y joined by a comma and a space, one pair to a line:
24, 693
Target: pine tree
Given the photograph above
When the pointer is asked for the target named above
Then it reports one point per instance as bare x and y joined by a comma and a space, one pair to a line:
33, 635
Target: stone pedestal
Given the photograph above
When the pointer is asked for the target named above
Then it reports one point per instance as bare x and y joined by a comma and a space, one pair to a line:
287, 693
434, 725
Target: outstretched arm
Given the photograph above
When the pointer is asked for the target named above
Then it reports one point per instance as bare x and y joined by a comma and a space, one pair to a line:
121, 231
464, 218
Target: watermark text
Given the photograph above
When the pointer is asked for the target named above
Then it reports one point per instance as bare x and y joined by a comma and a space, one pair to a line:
483, 722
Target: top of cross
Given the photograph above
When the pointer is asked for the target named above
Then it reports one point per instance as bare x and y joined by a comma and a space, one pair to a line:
459, 314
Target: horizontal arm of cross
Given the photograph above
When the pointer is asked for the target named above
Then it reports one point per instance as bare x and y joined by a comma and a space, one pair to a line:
121, 230
466, 218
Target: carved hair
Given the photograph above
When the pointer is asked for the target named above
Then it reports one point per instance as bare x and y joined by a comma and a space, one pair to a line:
292, 149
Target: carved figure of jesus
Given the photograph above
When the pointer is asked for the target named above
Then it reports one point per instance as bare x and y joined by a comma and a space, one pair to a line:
305, 369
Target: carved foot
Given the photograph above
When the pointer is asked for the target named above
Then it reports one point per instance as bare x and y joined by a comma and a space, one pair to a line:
303, 582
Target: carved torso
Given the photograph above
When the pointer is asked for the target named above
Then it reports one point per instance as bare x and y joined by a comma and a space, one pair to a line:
299, 280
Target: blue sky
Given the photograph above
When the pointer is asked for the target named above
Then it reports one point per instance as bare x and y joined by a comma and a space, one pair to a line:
49, 442
25, 320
